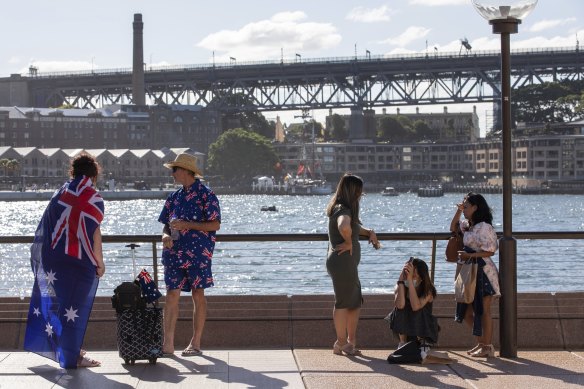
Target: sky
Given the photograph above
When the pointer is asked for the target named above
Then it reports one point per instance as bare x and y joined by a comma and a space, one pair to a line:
63, 35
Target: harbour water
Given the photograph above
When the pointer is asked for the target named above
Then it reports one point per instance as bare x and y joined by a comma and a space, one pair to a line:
299, 267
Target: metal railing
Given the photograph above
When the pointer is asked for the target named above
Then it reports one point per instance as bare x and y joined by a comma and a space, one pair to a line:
292, 264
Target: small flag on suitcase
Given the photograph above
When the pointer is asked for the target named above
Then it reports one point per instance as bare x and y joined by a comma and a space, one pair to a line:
150, 291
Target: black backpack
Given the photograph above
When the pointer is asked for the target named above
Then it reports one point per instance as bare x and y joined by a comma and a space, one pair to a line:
128, 295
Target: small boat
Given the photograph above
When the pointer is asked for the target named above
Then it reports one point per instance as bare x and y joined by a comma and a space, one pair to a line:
271, 208
389, 191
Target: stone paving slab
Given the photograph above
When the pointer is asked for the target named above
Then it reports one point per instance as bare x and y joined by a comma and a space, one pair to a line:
299, 368
542, 369
215, 369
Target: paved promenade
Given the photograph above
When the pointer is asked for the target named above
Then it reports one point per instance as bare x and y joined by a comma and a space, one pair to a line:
300, 368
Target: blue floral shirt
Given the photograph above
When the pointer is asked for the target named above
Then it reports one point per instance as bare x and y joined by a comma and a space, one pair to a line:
196, 203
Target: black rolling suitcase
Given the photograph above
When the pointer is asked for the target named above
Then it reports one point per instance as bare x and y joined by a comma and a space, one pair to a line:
139, 320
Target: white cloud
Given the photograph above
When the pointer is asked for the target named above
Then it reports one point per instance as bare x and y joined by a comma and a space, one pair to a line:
547, 24
264, 39
439, 3
369, 15
411, 34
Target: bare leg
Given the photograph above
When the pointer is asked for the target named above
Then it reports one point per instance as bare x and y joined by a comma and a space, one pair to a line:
487, 321
469, 320
340, 321
199, 317
352, 321
170, 317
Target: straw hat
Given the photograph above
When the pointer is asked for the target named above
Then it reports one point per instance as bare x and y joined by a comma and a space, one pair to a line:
187, 162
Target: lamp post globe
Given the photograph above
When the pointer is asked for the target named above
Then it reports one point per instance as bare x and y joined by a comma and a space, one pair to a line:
492, 10
505, 19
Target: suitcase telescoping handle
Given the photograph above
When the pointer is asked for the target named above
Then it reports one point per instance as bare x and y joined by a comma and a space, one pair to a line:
132, 247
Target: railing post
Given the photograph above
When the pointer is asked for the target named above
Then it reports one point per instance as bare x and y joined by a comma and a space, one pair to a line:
155, 262
433, 258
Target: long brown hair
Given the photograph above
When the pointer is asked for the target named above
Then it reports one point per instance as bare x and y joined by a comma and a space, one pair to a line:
425, 287
348, 193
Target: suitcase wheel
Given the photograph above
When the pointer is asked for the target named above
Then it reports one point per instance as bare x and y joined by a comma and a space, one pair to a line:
129, 361
152, 361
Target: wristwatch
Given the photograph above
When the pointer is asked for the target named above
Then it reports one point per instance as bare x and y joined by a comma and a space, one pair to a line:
401, 282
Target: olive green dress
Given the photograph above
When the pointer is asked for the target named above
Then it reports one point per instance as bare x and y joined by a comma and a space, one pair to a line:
343, 268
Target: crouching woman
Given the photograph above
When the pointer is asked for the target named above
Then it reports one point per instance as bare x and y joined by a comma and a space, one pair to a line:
411, 318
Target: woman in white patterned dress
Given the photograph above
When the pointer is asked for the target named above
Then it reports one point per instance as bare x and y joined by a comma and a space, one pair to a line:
480, 241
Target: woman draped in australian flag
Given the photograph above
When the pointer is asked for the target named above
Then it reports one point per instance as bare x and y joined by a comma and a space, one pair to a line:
67, 261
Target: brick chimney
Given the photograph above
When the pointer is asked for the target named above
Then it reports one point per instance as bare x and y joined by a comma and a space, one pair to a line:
138, 93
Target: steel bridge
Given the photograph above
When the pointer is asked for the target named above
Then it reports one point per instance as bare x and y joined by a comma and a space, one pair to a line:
371, 81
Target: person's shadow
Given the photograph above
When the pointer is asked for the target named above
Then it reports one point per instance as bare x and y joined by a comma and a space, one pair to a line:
220, 370
522, 367
77, 378
496, 367
433, 377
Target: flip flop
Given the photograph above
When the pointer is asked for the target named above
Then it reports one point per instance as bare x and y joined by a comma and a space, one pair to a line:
191, 352
87, 362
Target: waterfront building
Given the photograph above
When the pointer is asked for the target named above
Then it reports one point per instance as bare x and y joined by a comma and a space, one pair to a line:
131, 142
112, 127
51, 166
447, 127
542, 158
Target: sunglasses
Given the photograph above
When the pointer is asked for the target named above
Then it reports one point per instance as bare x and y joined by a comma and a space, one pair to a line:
175, 168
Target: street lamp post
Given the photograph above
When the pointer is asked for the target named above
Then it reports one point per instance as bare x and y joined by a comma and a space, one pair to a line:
505, 20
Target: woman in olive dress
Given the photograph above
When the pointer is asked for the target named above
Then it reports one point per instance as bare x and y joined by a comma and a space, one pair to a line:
343, 259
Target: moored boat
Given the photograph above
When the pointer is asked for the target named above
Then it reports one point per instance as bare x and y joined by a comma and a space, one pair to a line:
389, 191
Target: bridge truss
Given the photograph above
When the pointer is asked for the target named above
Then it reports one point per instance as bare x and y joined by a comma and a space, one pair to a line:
315, 84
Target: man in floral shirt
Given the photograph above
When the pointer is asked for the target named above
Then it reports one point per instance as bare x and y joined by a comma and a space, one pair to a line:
191, 215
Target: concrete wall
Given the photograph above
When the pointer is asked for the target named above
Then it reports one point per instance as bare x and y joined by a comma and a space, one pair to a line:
545, 321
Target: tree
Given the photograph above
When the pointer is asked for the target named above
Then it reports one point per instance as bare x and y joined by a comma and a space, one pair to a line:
397, 129
240, 154
549, 102
423, 131
249, 118
4, 165
12, 165
338, 130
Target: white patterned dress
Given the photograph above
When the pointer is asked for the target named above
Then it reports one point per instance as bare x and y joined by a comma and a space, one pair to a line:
482, 237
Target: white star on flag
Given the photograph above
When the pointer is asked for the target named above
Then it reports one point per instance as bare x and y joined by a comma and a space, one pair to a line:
51, 277
37, 312
49, 329
71, 314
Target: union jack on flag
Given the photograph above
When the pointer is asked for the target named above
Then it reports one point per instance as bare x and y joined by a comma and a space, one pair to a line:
80, 203
149, 288
63, 263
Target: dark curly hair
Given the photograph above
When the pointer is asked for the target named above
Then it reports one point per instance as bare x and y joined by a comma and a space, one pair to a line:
84, 164
483, 212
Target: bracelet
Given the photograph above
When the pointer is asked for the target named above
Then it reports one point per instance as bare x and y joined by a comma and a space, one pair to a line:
401, 282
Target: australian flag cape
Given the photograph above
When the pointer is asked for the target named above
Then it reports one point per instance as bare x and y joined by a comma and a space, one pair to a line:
63, 264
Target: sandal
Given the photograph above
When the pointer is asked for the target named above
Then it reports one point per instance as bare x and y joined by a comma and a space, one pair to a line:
84, 361
191, 352
351, 350
337, 348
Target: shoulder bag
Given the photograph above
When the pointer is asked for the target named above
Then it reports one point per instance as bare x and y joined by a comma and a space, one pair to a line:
466, 281
454, 246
